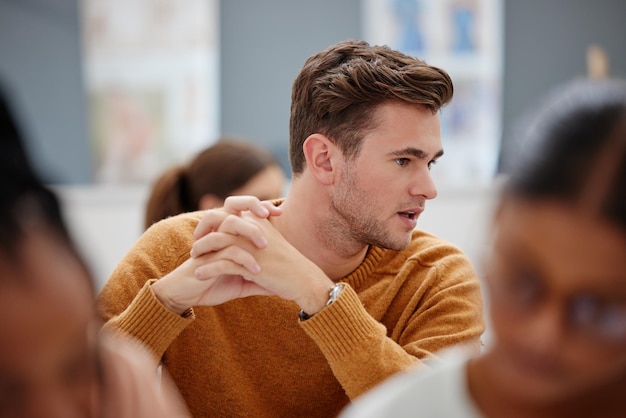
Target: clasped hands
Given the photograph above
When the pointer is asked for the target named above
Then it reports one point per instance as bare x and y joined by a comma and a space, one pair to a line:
239, 253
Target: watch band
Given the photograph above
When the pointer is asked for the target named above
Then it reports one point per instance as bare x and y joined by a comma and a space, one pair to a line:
333, 294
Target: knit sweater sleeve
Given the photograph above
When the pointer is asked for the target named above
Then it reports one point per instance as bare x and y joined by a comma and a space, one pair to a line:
445, 310
127, 303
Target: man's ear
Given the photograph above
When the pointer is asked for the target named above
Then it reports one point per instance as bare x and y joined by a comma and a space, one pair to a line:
321, 154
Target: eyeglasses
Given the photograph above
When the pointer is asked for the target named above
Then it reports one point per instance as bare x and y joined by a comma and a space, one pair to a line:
591, 317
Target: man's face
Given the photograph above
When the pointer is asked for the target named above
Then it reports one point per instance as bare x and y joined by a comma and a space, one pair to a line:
380, 193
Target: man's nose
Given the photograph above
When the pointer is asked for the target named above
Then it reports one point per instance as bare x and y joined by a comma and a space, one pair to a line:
424, 185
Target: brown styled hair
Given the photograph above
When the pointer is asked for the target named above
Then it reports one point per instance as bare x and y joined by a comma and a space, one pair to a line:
218, 170
339, 88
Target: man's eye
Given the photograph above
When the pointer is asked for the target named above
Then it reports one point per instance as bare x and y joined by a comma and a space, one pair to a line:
431, 163
402, 161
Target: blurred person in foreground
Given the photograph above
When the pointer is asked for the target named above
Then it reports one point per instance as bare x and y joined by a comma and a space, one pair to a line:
54, 362
338, 292
230, 167
556, 277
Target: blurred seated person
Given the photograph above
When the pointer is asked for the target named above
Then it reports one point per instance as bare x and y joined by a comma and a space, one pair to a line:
229, 167
556, 278
54, 362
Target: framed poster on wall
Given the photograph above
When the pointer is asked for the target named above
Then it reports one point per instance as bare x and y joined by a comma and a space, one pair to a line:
151, 74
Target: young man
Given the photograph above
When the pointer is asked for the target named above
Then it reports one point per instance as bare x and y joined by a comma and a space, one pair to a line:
296, 314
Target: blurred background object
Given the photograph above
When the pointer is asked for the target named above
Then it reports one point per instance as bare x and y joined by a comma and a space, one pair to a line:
151, 80
597, 62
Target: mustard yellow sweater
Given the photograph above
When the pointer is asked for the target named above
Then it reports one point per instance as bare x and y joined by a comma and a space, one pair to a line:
253, 357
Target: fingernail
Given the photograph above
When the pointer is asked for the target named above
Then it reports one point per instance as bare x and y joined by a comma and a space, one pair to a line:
255, 269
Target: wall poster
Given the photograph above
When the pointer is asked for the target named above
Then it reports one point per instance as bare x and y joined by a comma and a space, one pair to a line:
151, 74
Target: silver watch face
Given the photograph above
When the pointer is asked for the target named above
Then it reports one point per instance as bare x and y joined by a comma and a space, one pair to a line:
334, 293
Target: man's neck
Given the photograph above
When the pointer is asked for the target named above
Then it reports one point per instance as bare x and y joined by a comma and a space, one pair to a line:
300, 225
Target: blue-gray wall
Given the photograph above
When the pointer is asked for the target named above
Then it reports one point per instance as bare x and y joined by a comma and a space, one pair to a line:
545, 45
40, 66
263, 46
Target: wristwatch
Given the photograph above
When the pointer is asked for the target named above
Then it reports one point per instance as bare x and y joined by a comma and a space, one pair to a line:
333, 294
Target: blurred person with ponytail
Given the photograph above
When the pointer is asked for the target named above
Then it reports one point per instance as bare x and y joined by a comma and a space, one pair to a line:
229, 167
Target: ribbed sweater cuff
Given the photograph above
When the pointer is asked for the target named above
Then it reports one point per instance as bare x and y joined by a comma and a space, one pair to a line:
150, 322
343, 326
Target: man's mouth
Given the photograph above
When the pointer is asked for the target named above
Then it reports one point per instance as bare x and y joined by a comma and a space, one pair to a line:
412, 213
